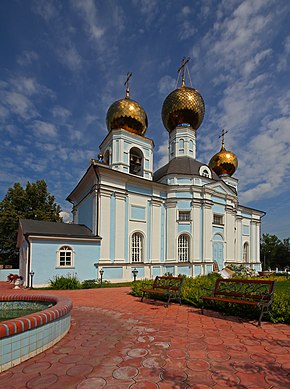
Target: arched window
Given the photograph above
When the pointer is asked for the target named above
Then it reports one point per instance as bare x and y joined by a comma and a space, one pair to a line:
190, 147
137, 247
246, 252
172, 147
65, 257
205, 171
183, 248
181, 146
136, 161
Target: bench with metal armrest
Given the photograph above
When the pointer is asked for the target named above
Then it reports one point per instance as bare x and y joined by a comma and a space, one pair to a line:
167, 286
257, 293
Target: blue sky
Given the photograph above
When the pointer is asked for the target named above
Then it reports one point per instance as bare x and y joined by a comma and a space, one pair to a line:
63, 63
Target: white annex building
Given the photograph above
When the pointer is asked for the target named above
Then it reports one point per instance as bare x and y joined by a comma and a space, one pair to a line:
179, 219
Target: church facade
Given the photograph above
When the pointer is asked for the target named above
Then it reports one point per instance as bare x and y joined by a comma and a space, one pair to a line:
181, 219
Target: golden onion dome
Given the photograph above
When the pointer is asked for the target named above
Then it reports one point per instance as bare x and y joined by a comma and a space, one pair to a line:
127, 114
184, 105
224, 163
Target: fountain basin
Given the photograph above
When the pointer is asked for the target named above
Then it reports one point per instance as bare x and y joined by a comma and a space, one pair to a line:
26, 336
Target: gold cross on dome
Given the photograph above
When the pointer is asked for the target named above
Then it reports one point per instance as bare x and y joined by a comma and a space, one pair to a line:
181, 69
223, 136
126, 83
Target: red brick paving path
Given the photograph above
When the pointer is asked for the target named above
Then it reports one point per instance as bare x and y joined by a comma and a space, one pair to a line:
115, 341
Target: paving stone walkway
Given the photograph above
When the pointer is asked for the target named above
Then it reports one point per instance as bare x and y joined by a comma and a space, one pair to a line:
115, 341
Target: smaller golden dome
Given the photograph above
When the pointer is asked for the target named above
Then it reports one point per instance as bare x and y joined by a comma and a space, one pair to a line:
183, 105
224, 163
127, 114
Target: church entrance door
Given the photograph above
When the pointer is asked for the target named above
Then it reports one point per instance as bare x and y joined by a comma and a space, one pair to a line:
218, 254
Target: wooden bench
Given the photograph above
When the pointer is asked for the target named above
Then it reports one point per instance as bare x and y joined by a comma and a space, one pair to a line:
167, 286
258, 293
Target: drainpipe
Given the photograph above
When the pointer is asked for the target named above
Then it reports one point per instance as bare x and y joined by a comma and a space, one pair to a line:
28, 262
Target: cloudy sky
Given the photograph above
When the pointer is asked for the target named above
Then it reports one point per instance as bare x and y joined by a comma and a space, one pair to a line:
63, 63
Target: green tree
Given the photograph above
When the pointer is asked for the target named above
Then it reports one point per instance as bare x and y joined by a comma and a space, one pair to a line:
33, 202
274, 252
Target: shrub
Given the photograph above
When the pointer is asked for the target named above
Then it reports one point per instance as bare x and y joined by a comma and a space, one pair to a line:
90, 284
138, 285
242, 271
193, 288
280, 309
62, 282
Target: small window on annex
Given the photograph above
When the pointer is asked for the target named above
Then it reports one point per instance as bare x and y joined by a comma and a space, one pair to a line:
65, 256
137, 247
183, 248
218, 219
184, 216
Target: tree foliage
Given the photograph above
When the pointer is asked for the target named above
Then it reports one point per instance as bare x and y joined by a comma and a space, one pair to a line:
274, 252
32, 202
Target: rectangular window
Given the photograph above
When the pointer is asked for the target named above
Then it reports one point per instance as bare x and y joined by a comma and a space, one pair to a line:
184, 216
218, 219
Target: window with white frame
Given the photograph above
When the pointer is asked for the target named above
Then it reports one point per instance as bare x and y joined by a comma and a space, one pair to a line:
184, 215
65, 257
190, 147
137, 247
172, 147
183, 248
218, 219
181, 146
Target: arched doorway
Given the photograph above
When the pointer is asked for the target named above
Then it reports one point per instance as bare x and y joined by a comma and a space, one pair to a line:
218, 250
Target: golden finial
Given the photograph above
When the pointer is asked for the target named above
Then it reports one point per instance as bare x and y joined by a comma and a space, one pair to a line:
182, 68
126, 84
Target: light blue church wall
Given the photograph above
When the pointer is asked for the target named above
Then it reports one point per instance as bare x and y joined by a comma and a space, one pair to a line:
156, 271
184, 228
44, 259
197, 270
183, 205
85, 212
218, 200
183, 270
218, 209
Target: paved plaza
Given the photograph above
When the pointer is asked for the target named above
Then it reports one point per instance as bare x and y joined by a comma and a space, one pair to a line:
115, 341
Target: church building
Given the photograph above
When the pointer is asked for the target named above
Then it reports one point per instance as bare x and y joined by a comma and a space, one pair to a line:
181, 219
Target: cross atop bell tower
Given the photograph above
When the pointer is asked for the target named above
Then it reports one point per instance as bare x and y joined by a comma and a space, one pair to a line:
182, 68
126, 84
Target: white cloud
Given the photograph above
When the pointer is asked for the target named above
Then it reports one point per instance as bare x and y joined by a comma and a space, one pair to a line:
3, 112
60, 112
254, 62
47, 9
89, 13
166, 84
162, 154
20, 105
70, 57
43, 129
27, 58
266, 161
76, 135
66, 216
149, 8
